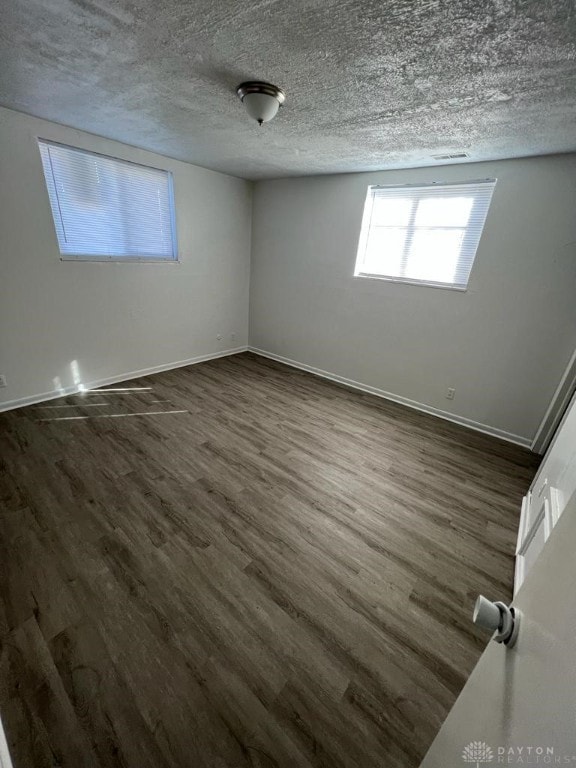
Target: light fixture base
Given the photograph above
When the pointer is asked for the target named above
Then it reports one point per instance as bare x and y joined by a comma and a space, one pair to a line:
258, 86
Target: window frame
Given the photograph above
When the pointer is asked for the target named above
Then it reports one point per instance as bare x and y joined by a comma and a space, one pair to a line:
412, 229
99, 258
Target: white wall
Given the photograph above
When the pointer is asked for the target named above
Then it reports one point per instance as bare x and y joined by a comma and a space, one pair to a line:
113, 318
503, 344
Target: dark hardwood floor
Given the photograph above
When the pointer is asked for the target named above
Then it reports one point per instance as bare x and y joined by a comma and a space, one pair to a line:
239, 565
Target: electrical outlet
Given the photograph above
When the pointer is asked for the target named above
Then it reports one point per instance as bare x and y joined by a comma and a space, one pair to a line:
450, 392
3, 382
232, 337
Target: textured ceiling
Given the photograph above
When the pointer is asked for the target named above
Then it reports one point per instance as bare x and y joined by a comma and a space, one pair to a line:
369, 83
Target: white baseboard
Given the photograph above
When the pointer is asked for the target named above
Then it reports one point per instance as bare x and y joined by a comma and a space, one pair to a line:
525, 442
54, 394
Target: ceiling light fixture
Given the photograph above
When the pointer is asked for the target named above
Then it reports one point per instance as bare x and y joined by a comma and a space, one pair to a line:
262, 100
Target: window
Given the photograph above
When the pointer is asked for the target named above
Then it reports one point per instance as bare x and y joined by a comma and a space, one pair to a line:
426, 234
109, 209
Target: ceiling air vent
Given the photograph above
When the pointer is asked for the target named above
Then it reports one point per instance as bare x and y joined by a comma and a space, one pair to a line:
453, 156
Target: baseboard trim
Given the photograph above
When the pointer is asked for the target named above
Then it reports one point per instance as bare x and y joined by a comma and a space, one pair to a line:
10, 405
525, 442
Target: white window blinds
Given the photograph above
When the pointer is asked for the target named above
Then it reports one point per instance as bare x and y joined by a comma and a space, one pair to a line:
423, 234
110, 209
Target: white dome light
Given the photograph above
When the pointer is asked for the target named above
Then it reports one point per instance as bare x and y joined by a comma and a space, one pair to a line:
262, 100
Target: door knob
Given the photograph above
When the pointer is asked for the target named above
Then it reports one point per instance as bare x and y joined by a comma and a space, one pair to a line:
499, 618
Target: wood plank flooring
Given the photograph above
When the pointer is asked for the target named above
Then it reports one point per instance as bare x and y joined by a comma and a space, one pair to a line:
239, 565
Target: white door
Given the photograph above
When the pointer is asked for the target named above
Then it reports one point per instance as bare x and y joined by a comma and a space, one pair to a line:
519, 705
553, 485
538, 518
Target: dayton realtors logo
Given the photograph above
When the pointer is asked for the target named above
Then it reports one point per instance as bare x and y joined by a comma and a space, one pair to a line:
478, 752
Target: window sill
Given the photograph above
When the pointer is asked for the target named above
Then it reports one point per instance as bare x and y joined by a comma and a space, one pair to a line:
127, 260
406, 281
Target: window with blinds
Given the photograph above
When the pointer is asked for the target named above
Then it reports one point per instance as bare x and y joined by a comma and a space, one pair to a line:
109, 209
425, 234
